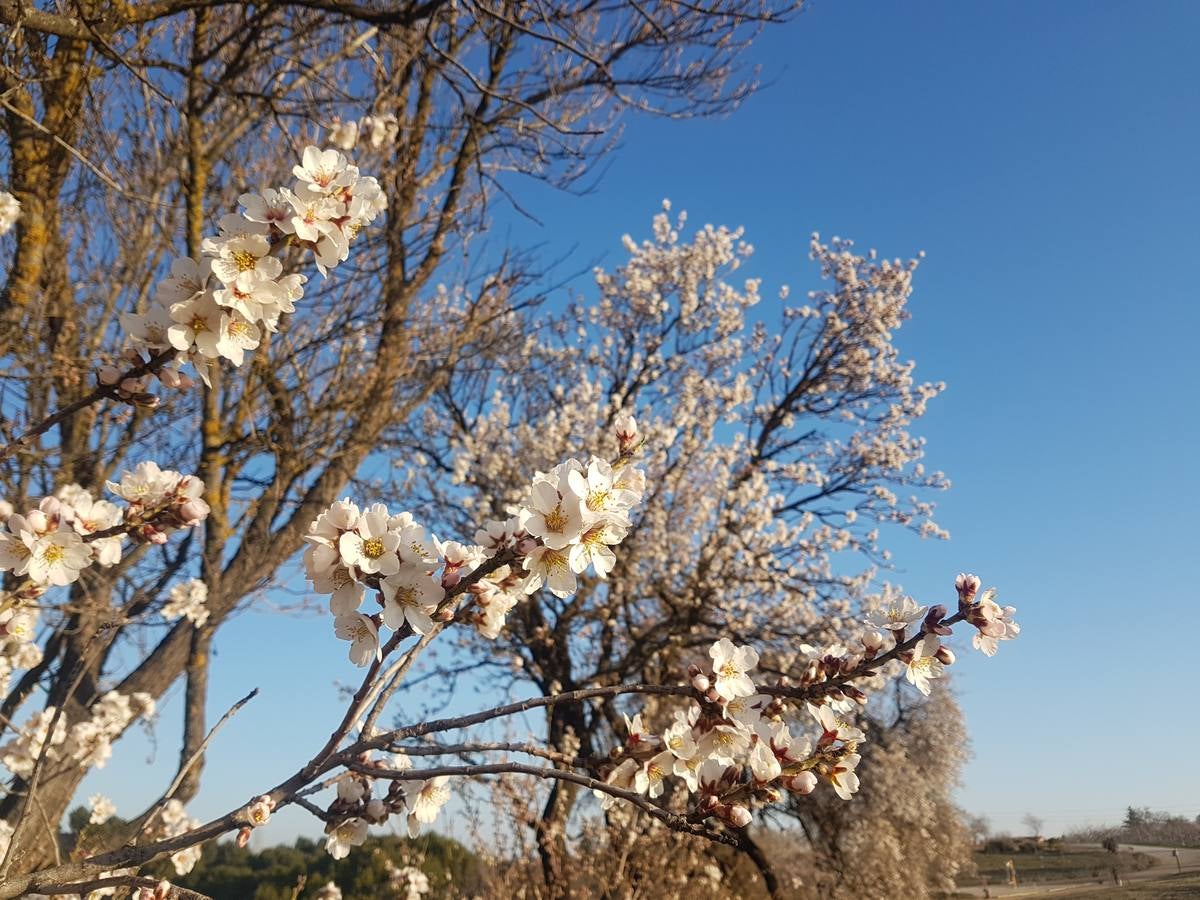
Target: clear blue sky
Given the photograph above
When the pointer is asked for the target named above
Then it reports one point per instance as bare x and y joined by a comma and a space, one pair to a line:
1046, 158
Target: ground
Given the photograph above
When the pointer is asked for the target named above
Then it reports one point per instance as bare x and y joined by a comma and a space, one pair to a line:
1148, 873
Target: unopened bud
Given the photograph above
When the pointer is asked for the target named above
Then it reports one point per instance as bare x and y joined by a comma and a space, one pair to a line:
451, 577
170, 377
108, 374
146, 401
712, 695
700, 682
739, 816
626, 430
967, 586
945, 656
243, 837
153, 535
872, 641
443, 615
802, 783
933, 620
192, 512
132, 385
38, 521
525, 546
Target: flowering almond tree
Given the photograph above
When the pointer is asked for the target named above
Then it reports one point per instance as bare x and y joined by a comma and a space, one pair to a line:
644, 501
742, 736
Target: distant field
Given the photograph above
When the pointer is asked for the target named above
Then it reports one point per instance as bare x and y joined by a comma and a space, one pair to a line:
1186, 887
1070, 864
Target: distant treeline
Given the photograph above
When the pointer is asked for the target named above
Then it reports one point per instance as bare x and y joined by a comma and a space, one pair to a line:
1143, 825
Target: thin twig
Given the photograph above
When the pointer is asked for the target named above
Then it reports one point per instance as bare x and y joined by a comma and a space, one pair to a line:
182, 773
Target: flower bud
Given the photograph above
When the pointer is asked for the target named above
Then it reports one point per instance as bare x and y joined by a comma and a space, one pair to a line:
133, 355
443, 615
108, 375
872, 641
933, 618
700, 682
243, 837
38, 521
149, 533
626, 430
526, 546
967, 586
132, 385
170, 377
192, 512
802, 783
451, 577
146, 401
739, 816
945, 656
712, 695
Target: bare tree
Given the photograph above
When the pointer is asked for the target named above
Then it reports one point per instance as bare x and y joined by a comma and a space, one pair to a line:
1033, 823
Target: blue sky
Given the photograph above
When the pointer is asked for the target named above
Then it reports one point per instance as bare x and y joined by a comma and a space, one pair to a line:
1045, 158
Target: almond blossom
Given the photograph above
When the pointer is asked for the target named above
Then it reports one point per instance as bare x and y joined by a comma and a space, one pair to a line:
411, 596
363, 634
730, 665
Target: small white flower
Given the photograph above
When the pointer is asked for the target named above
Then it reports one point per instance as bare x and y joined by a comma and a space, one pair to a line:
552, 568
836, 725
360, 630
58, 558
424, 800
259, 811
730, 665
650, 777
556, 518
763, 763
925, 667
843, 777
897, 614
621, 777
324, 171
371, 547
412, 596
350, 833
238, 253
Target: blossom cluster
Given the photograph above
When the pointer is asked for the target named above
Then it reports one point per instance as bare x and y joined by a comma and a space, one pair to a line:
994, 623
569, 520
373, 131
65, 534
187, 600
10, 211
409, 882
735, 747
175, 821
355, 808
87, 743
220, 305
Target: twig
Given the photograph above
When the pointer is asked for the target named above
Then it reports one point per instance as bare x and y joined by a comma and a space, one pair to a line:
179, 776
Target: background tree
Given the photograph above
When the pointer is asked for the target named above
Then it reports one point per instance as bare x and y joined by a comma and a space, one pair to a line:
1033, 823
149, 120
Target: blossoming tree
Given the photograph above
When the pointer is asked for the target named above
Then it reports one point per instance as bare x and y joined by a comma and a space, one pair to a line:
609, 504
